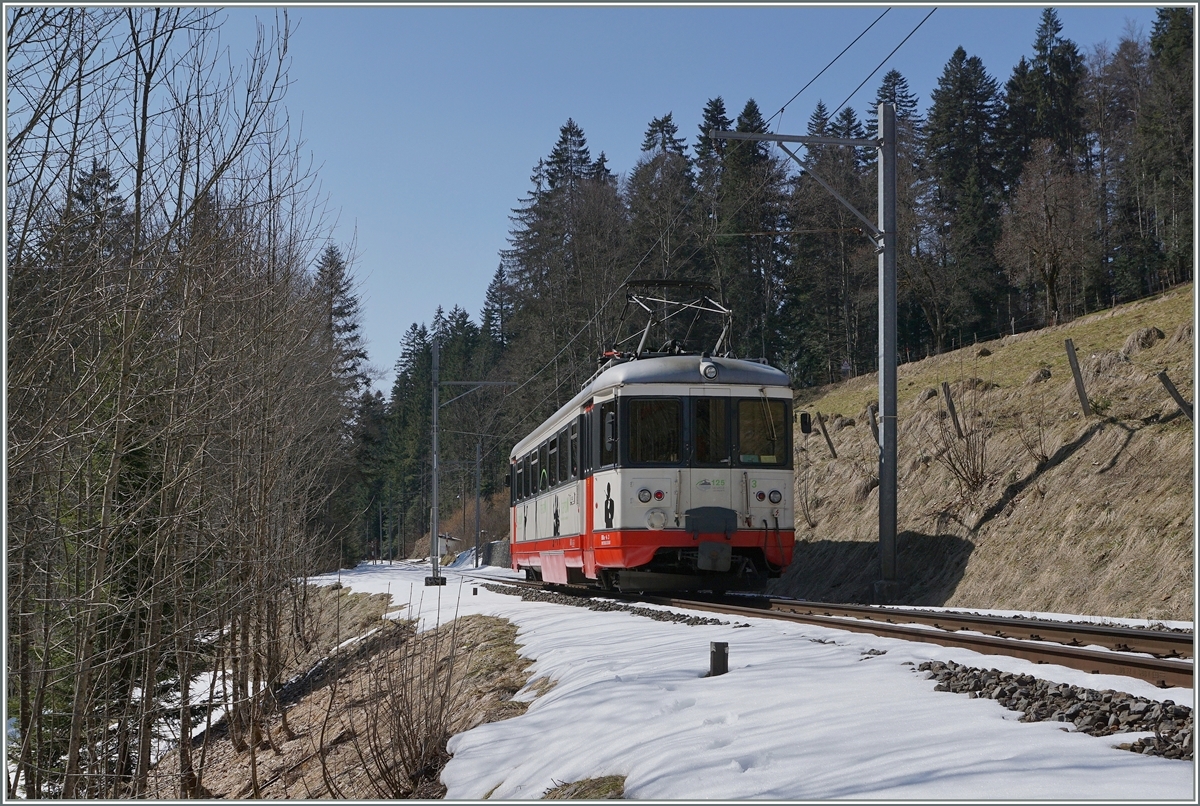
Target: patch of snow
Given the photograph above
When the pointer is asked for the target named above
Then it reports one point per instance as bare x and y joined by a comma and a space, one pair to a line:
804, 713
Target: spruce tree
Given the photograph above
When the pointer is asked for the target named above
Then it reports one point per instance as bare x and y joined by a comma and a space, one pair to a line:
1059, 68
496, 316
1044, 99
962, 208
1018, 120
744, 256
663, 233
710, 152
961, 132
598, 170
336, 289
569, 161
662, 135
848, 126
893, 90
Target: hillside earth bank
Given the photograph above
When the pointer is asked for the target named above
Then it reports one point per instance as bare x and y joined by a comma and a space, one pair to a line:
1038, 506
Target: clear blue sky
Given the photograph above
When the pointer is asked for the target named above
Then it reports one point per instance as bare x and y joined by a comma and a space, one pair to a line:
426, 122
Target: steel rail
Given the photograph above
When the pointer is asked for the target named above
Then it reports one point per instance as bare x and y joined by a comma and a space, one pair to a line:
1034, 646
1123, 639
1162, 672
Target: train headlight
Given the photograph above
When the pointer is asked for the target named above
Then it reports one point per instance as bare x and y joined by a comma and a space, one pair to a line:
656, 519
708, 369
659, 495
775, 496
644, 495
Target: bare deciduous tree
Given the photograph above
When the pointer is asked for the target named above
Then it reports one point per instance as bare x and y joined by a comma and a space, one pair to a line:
1049, 237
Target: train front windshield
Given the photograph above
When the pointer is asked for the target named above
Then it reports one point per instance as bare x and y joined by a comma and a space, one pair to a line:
706, 432
762, 429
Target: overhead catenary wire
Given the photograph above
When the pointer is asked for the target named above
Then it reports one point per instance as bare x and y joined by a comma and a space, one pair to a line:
882, 63
686, 206
779, 114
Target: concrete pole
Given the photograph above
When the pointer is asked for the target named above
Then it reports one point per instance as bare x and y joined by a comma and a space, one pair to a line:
433, 516
478, 461
887, 349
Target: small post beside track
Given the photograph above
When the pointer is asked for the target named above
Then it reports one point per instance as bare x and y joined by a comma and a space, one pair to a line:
718, 658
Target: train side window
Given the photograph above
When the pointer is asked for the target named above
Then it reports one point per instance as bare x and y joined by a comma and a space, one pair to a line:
711, 430
606, 426
543, 474
534, 469
762, 431
518, 480
585, 444
564, 457
552, 461
655, 431
574, 442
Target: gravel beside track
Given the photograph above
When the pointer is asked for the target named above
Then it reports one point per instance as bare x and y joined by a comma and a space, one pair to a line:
538, 595
1097, 713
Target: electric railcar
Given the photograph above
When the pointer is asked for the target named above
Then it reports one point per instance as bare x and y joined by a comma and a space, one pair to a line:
671, 472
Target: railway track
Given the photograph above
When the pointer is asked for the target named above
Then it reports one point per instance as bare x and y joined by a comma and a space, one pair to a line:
1156, 656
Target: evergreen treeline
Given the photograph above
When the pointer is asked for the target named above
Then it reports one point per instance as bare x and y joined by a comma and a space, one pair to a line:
183, 371
1066, 189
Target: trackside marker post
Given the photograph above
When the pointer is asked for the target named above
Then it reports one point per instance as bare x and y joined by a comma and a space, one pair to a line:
718, 658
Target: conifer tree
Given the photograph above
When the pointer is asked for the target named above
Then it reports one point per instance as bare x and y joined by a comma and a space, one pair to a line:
1165, 143
1044, 99
1059, 69
663, 236
893, 90
336, 289
662, 135
962, 152
599, 172
496, 316
710, 152
570, 160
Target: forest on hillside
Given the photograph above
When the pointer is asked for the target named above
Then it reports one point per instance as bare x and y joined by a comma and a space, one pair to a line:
1063, 190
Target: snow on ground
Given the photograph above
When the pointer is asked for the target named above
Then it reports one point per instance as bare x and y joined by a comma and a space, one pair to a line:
803, 714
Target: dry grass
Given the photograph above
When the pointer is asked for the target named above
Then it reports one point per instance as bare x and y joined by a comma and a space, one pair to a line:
1014, 358
327, 752
610, 787
1087, 515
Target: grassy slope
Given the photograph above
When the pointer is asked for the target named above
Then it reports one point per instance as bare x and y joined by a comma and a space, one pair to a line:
1104, 527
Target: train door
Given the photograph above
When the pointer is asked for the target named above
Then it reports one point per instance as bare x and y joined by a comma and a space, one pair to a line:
707, 480
606, 482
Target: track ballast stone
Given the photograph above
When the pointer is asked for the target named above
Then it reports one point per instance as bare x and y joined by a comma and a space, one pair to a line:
604, 605
1097, 713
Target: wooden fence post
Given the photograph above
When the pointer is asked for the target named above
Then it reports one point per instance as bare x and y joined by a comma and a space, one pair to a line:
1184, 406
950, 405
824, 433
1083, 398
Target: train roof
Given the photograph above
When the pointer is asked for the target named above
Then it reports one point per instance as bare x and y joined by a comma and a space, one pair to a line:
681, 369
686, 369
